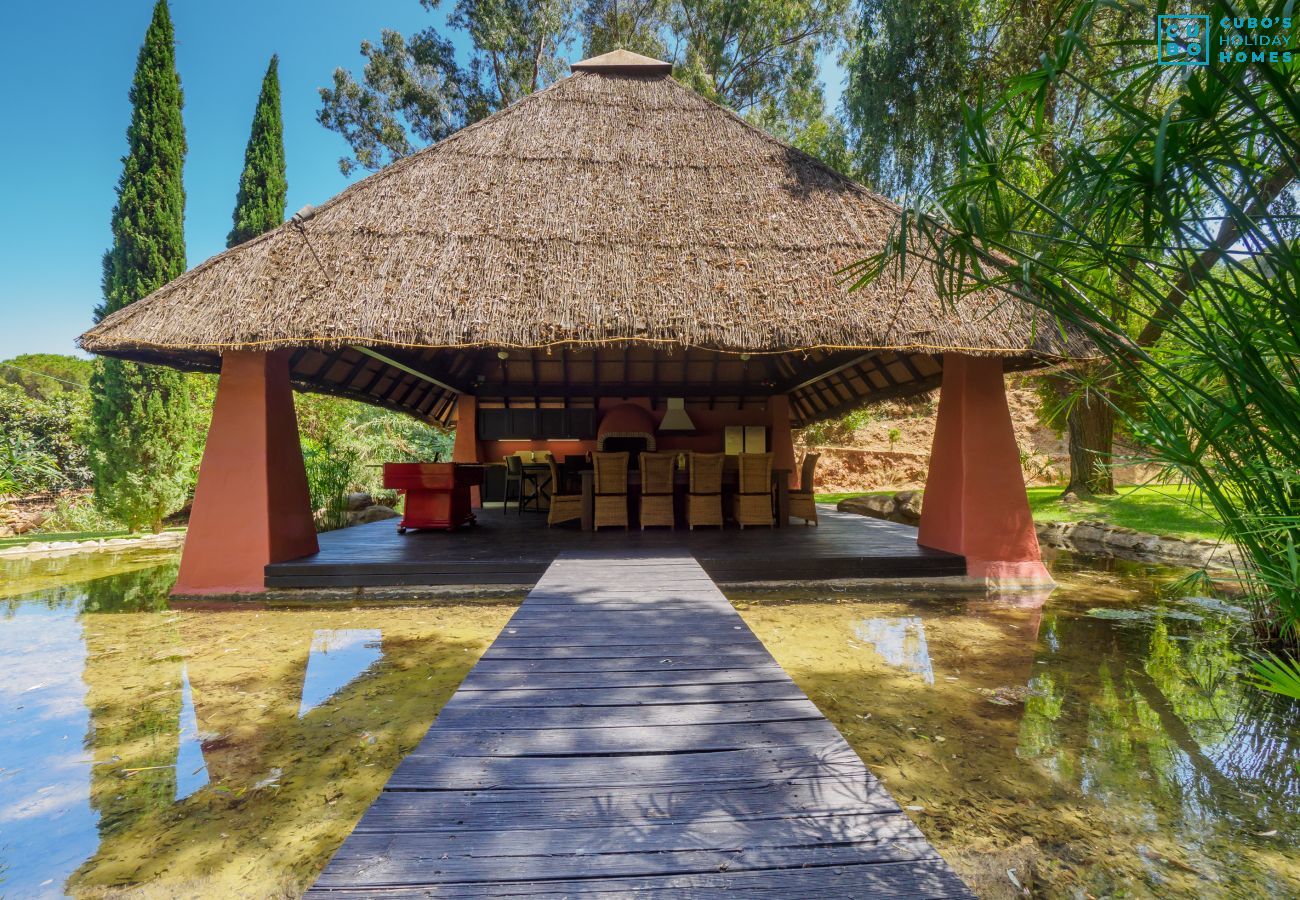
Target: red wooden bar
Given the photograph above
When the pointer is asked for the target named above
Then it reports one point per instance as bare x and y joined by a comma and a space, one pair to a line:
437, 494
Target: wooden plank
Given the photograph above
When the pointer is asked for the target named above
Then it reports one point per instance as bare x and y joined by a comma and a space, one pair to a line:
930, 878
560, 807
603, 747
403, 859
618, 739
472, 716
622, 663
632, 696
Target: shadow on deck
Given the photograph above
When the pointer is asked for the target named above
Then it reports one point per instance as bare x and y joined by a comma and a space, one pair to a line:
509, 548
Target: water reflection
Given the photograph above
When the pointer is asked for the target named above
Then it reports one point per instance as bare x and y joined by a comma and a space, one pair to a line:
337, 657
210, 753
1090, 754
900, 641
191, 769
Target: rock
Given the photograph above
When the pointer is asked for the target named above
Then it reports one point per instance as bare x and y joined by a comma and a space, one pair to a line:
37, 547
907, 507
359, 500
372, 514
879, 506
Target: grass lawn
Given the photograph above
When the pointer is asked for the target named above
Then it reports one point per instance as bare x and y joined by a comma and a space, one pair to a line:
1158, 509
48, 538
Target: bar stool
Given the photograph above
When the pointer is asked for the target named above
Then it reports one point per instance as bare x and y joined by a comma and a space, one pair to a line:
803, 502
704, 500
516, 474
564, 507
611, 489
754, 496
657, 489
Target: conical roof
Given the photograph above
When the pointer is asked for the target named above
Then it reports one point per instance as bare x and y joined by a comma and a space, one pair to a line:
610, 207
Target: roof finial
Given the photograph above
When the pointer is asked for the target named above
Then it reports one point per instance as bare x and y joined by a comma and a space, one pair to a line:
623, 62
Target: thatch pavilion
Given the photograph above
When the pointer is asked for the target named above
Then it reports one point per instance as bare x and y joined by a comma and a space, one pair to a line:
615, 239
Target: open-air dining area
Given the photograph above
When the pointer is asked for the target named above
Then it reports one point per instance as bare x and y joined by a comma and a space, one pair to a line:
654, 489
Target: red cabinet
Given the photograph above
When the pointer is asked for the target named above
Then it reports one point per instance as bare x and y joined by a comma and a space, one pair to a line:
437, 494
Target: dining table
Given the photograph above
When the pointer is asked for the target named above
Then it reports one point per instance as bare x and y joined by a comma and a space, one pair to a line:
681, 483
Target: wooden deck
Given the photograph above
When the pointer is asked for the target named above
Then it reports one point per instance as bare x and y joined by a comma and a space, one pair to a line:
628, 733
508, 548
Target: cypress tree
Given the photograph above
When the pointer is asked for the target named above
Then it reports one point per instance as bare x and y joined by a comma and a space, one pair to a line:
262, 185
143, 449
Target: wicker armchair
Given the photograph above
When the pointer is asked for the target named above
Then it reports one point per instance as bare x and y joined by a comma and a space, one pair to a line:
564, 507
704, 500
611, 489
657, 489
803, 501
754, 497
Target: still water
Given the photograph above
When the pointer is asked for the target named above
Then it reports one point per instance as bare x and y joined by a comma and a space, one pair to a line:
1102, 746
201, 752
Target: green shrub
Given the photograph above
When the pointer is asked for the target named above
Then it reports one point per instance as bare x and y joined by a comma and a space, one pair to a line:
77, 515
835, 431
332, 472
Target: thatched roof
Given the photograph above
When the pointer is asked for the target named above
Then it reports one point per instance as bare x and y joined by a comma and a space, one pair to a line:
614, 208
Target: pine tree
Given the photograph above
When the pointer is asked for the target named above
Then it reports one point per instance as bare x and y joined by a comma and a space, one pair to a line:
143, 449
262, 185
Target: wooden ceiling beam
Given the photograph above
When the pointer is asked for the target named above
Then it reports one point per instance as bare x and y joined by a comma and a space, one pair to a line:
833, 364
635, 389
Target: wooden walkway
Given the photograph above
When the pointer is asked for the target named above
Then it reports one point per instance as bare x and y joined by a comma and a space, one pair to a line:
627, 733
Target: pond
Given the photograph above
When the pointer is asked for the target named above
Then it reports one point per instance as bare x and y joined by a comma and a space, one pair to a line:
203, 752
1104, 745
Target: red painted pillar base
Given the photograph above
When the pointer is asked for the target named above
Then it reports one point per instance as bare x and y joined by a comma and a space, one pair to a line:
251, 504
975, 501
466, 449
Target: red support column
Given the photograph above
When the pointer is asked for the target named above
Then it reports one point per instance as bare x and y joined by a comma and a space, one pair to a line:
975, 501
778, 409
466, 448
251, 504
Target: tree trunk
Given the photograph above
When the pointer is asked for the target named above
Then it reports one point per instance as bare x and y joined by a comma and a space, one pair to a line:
1092, 437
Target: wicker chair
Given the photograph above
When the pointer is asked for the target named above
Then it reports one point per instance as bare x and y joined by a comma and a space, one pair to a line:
803, 501
754, 497
657, 489
564, 507
611, 489
704, 501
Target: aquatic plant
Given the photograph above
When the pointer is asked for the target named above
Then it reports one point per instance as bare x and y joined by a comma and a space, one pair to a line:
1170, 239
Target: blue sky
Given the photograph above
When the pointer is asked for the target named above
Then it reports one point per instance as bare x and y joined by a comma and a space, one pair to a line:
66, 132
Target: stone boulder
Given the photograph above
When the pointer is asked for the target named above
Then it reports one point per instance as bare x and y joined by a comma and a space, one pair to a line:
903, 507
359, 500
372, 514
907, 507
878, 506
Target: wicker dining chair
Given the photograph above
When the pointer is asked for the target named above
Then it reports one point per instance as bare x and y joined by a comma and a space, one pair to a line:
611, 489
754, 496
803, 501
564, 507
704, 499
657, 489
